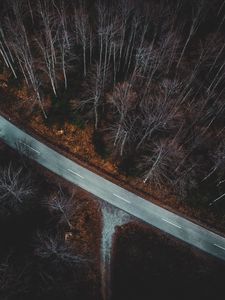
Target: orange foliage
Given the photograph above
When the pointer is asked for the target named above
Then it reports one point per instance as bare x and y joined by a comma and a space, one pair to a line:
78, 141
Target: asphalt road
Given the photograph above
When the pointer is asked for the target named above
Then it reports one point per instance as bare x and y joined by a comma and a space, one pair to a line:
163, 219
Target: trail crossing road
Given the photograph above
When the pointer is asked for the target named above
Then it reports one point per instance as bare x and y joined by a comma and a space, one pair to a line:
163, 219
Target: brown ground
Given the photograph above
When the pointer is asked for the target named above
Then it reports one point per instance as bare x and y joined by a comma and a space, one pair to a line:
86, 220
148, 264
77, 144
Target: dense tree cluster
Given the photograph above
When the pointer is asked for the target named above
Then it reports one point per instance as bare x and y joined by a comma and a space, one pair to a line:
150, 76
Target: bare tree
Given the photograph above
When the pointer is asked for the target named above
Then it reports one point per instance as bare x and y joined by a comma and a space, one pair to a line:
16, 190
124, 12
124, 99
57, 259
158, 114
6, 52
218, 158
198, 14
62, 204
55, 251
124, 135
83, 32
30, 8
16, 48
94, 89
65, 42
159, 166
22, 50
135, 40
47, 41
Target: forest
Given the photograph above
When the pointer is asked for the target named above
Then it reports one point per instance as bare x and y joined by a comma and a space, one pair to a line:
148, 76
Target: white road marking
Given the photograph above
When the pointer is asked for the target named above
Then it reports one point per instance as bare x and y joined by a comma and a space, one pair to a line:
223, 248
171, 223
121, 198
71, 171
28, 146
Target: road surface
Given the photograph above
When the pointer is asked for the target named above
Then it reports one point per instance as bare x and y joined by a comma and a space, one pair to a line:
163, 219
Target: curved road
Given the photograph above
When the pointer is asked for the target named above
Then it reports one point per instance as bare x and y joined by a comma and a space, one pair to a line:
163, 219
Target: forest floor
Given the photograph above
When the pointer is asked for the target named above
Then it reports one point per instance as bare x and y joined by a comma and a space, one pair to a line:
84, 241
148, 264
77, 144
